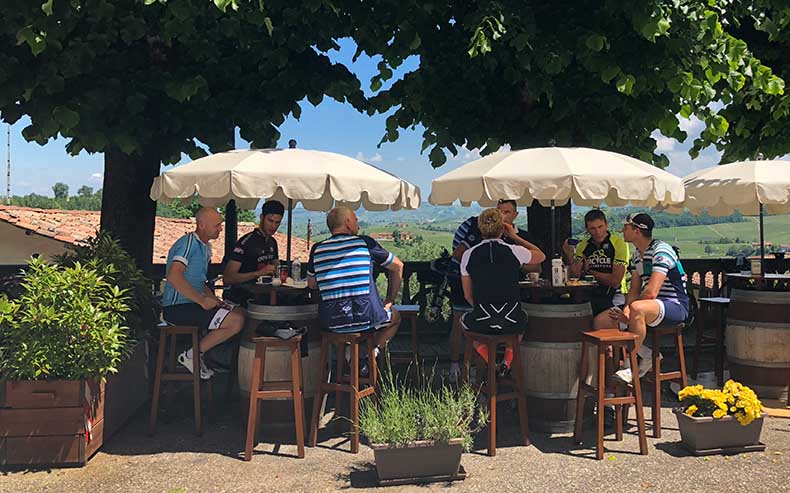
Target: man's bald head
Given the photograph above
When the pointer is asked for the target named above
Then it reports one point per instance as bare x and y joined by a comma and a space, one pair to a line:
209, 223
342, 220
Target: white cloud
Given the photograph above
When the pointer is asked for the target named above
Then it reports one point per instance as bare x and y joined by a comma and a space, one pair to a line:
97, 177
691, 126
360, 156
376, 158
665, 144
401, 158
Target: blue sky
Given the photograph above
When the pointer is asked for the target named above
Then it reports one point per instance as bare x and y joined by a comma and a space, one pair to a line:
330, 126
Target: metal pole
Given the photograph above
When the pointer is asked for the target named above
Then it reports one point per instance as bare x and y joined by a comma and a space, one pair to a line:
231, 226
553, 230
762, 242
290, 221
8, 169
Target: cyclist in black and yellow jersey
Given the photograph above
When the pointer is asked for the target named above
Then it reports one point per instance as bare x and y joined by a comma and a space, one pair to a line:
604, 256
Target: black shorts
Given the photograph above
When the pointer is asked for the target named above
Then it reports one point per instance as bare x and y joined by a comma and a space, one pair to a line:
600, 304
194, 314
457, 295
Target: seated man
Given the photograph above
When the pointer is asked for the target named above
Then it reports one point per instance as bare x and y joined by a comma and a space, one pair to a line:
467, 236
341, 268
187, 300
657, 295
255, 254
604, 256
490, 275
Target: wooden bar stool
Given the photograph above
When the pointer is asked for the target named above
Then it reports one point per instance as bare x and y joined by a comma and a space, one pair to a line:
260, 389
350, 386
711, 312
656, 376
410, 313
601, 339
491, 387
174, 375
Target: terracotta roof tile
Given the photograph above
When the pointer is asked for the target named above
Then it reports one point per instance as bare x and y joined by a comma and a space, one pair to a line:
76, 226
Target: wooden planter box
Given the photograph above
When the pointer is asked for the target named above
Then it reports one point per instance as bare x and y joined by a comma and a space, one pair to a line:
45, 422
126, 390
707, 436
418, 462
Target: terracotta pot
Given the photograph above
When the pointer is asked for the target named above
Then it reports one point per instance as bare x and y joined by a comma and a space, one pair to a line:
710, 434
418, 459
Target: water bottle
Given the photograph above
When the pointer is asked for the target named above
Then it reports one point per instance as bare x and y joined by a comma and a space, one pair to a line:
296, 270
557, 272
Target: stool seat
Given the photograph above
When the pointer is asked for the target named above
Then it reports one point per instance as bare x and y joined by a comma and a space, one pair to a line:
491, 386
601, 340
354, 384
172, 374
260, 389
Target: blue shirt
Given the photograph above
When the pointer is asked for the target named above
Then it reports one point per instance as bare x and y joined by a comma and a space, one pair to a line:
343, 269
196, 256
661, 257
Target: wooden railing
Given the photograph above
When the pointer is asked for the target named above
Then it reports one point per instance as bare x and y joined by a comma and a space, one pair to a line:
706, 274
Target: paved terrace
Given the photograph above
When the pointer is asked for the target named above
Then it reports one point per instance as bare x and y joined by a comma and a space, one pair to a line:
175, 460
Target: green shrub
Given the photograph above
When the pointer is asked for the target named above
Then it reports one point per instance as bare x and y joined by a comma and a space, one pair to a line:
118, 268
67, 324
404, 414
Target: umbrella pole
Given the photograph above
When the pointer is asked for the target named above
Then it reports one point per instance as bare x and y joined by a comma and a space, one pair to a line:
553, 230
231, 226
762, 243
290, 223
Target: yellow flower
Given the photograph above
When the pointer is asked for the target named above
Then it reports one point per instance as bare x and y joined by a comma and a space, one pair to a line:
718, 413
691, 410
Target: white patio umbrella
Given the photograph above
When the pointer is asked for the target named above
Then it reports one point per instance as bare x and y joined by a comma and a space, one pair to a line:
317, 179
752, 187
555, 175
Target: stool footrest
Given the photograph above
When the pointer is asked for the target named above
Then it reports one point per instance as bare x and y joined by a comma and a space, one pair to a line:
277, 385
274, 394
177, 377
619, 400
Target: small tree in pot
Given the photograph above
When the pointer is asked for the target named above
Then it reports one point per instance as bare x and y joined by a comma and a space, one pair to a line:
419, 432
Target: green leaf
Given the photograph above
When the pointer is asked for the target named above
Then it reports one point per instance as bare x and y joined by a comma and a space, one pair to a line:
668, 125
610, 73
718, 125
775, 86
625, 84
595, 42
685, 111
47, 7
267, 21
67, 118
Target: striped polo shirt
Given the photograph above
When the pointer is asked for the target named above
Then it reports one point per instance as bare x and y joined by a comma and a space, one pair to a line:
195, 255
343, 269
661, 257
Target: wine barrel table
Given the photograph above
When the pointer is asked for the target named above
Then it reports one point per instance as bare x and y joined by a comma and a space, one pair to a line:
279, 412
758, 341
550, 354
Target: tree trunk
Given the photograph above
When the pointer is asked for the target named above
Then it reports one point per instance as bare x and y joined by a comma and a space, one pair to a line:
127, 211
539, 225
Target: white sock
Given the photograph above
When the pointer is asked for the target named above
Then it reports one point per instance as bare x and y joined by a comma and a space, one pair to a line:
348, 353
376, 352
189, 353
645, 352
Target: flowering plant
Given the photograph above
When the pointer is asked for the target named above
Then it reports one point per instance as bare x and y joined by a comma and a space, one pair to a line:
734, 399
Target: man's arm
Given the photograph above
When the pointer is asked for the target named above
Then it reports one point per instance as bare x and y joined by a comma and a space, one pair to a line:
458, 252
175, 276
653, 286
394, 280
466, 283
635, 289
231, 275
574, 258
512, 233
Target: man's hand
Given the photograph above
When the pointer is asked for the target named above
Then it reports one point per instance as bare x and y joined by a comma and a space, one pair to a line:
267, 270
209, 302
568, 250
510, 231
616, 314
388, 304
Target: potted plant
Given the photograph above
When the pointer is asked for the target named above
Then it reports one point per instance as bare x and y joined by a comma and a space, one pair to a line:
419, 433
128, 389
58, 340
720, 421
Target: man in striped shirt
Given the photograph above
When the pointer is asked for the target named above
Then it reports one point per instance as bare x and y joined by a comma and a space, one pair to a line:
341, 268
657, 295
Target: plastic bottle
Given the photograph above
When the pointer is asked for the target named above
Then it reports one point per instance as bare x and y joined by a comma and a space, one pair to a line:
557, 272
296, 270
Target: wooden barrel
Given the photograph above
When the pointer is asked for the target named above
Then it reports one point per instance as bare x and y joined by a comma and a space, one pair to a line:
758, 341
279, 412
551, 353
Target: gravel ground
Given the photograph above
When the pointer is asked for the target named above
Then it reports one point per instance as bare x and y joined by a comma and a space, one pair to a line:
176, 460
